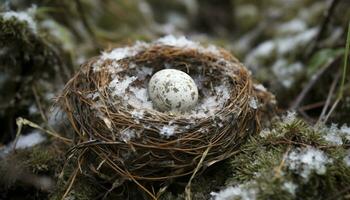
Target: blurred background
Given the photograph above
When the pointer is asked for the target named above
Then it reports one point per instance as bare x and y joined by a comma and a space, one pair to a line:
293, 47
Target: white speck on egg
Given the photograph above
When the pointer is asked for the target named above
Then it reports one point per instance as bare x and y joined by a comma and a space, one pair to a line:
172, 90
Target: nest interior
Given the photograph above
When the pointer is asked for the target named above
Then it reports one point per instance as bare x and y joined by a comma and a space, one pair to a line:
133, 141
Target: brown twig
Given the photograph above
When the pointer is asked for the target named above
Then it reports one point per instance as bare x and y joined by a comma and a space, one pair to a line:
311, 83
329, 97
328, 15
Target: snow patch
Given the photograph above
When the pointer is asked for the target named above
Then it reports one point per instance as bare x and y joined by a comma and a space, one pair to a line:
168, 130
290, 187
121, 53
22, 16
118, 86
289, 118
240, 192
253, 103
127, 134
24, 141
307, 160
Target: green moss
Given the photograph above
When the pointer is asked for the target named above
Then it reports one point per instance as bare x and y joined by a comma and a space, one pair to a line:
262, 164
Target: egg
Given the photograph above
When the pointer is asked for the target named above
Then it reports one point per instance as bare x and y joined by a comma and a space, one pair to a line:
172, 90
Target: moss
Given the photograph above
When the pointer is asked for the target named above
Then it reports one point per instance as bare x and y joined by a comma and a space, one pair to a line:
262, 164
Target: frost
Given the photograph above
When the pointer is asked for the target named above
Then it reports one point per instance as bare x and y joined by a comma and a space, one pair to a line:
285, 72
143, 72
265, 133
346, 131
22, 16
260, 87
307, 160
253, 103
183, 42
261, 52
168, 130
121, 53
33, 109
280, 46
127, 134
290, 187
118, 86
289, 118
335, 135
240, 192
288, 44
139, 99
347, 159
211, 103
293, 26
333, 138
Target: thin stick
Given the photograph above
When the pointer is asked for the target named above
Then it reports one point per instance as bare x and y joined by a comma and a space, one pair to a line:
199, 165
72, 180
329, 97
37, 100
322, 30
21, 121
311, 83
341, 88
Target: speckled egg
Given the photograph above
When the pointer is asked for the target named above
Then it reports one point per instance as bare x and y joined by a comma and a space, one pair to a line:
172, 90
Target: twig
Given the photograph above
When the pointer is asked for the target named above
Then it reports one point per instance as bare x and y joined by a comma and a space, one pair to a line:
72, 180
312, 106
341, 88
199, 165
37, 100
322, 30
311, 83
21, 121
280, 166
329, 97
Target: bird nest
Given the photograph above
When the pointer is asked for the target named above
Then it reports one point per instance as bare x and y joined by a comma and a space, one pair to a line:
119, 133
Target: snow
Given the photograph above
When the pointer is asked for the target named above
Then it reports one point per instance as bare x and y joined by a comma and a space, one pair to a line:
183, 42
289, 118
24, 141
239, 192
22, 16
33, 109
168, 130
347, 159
333, 135
139, 98
138, 114
290, 187
118, 86
307, 160
259, 53
288, 44
143, 72
253, 103
333, 138
265, 133
280, 46
127, 134
121, 53
293, 26
346, 131
285, 72
260, 87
